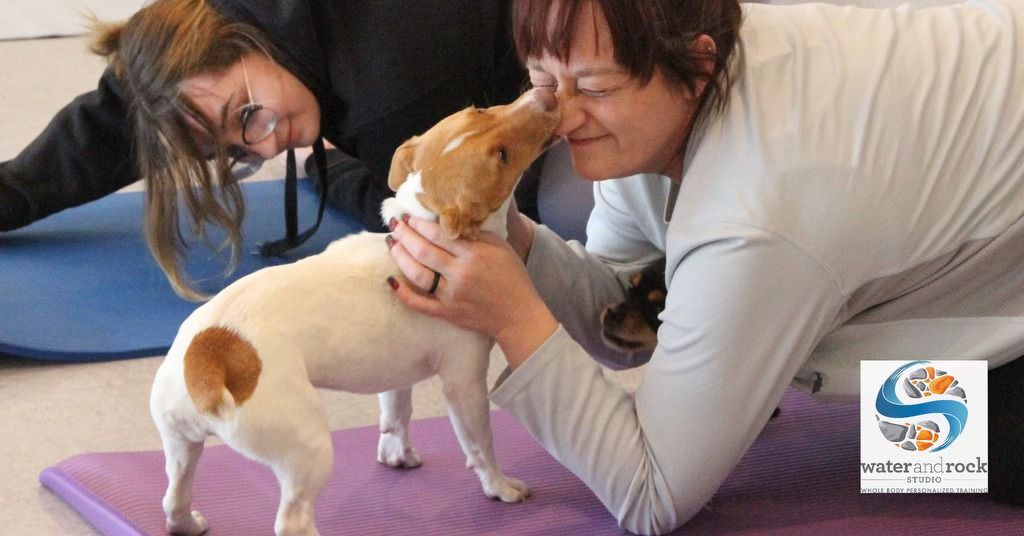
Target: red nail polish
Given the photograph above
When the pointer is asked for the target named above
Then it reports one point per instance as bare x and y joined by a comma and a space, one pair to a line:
390, 241
393, 282
392, 223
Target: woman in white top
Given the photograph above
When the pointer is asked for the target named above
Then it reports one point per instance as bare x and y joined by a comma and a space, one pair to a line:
828, 185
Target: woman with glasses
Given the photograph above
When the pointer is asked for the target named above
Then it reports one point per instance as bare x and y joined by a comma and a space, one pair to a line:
828, 185
200, 92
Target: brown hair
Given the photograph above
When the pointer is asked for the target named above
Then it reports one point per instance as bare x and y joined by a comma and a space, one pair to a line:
646, 35
150, 54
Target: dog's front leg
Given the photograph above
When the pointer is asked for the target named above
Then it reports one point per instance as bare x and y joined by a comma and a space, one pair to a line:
394, 448
469, 410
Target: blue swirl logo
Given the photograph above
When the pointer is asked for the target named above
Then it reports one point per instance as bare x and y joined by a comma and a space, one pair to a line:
935, 392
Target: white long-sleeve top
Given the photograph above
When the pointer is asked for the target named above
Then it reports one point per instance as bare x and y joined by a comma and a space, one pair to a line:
860, 198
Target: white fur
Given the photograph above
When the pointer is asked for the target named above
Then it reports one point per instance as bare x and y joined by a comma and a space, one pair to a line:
455, 143
406, 201
497, 221
328, 321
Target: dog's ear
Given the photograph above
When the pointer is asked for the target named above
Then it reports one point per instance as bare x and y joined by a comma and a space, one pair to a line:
462, 220
401, 163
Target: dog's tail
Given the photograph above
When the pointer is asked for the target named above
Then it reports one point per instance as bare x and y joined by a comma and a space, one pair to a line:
221, 371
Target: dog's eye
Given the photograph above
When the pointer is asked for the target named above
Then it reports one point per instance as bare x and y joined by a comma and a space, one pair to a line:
503, 155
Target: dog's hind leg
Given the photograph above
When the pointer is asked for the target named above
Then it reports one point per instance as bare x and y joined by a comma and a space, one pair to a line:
285, 427
394, 448
465, 389
181, 456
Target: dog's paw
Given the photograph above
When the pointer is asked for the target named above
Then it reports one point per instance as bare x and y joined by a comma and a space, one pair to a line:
507, 489
191, 525
390, 209
393, 453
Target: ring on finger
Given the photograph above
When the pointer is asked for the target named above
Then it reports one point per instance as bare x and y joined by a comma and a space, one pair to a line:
437, 279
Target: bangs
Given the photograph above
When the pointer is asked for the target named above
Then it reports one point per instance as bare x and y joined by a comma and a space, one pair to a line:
548, 27
535, 36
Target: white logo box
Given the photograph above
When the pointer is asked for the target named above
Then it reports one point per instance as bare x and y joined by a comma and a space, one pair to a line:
924, 426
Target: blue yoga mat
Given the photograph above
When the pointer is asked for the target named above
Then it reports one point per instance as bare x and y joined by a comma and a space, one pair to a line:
82, 286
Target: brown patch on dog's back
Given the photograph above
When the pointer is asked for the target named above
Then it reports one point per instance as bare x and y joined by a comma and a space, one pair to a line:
219, 358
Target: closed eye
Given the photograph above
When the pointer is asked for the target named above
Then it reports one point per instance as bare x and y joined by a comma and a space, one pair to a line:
580, 90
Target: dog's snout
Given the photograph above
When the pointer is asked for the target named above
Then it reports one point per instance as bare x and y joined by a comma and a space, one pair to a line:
543, 97
546, 98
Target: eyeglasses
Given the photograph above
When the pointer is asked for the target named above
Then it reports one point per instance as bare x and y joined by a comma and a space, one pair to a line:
257, 122
242, 163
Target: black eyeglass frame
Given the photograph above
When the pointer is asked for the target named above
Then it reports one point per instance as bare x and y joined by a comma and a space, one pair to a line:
247, 164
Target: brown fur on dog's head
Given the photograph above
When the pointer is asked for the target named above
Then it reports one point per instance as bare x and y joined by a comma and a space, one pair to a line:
471, 161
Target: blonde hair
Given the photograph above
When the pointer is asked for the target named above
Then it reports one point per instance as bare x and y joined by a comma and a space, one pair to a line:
150, 54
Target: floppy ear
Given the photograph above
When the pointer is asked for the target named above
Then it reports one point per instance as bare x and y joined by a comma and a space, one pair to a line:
401, 163
462, 220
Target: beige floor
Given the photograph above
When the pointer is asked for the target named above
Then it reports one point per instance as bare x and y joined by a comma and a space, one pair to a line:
50, 412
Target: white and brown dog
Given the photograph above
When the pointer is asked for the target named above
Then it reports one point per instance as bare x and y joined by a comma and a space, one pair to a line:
245, 365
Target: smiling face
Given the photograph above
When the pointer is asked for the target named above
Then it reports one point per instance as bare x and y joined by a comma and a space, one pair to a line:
614, 123
219, 96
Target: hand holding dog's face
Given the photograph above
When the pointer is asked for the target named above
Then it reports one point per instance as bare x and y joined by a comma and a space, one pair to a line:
470, 164
485, 284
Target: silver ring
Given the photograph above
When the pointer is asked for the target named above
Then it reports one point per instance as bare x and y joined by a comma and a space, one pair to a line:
437, 279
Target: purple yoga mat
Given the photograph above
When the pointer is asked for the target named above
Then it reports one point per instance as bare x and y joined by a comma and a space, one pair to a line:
799, 478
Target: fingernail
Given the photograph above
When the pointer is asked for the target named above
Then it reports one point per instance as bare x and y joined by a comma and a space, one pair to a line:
392, 223
393, 282
405, 218
390, 241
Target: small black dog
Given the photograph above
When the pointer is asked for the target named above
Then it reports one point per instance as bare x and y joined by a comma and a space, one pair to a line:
632, 324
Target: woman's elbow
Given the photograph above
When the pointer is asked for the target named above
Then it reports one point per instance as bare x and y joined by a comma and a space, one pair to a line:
655, 512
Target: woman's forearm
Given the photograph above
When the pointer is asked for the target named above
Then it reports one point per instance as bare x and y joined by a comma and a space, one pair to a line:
521, 339
520, 234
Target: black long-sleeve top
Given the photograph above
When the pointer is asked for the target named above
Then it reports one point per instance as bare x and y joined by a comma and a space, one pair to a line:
382, 71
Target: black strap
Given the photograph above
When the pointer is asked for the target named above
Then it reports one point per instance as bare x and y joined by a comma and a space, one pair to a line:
293, 239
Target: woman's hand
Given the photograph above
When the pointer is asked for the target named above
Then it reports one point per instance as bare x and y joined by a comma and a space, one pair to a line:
483, 287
